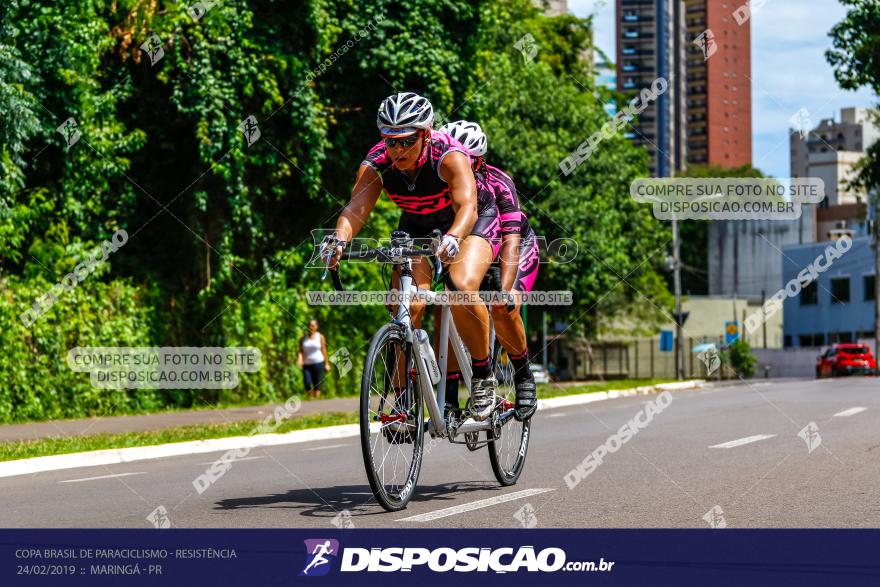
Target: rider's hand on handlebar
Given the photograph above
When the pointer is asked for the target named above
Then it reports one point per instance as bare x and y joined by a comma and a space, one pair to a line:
332, 247
449, 247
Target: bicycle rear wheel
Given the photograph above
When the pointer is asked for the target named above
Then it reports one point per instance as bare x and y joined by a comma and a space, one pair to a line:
391, 419
507, 453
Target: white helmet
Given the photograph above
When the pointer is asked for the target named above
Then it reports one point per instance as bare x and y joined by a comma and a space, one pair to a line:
404, 113
468, 134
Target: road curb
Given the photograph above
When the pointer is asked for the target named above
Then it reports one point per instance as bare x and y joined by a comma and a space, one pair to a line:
588, 398
116, 456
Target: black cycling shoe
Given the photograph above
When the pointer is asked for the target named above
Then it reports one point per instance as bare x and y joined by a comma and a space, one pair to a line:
526, 400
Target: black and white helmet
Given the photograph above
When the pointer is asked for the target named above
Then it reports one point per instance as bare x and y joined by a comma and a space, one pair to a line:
404, 113
468, 134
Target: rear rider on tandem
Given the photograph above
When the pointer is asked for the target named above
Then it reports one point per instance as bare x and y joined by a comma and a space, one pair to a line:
517, 264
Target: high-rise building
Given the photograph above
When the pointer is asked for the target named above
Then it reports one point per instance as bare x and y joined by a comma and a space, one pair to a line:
719, 95
699, 47
650, 45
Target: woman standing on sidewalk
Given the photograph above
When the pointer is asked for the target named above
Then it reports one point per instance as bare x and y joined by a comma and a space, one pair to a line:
312, 359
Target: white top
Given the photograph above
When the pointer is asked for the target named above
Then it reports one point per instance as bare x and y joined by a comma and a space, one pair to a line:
311, 349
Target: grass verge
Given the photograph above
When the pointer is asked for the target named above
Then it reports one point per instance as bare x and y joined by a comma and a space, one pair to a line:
64, 445
25, 449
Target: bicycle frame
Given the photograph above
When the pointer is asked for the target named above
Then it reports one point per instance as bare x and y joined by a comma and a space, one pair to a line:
448, 337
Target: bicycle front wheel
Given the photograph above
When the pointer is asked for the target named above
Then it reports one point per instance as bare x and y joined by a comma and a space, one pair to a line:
391, 419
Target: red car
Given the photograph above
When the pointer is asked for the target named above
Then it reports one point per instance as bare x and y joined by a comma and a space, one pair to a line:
845, 359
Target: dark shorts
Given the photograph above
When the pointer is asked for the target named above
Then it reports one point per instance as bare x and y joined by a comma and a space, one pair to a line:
487, 227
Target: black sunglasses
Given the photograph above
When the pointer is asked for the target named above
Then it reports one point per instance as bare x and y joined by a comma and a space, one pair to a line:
405, 142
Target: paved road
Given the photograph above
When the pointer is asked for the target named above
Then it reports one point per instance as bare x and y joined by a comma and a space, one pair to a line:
665, 476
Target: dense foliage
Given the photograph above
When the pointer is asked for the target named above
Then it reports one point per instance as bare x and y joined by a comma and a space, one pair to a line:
219, 230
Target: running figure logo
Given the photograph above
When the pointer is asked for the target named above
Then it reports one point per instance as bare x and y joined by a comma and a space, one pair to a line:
250, 130
70, 131
317, 553
706, 42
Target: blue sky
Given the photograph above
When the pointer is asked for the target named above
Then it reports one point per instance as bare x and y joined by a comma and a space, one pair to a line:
789, 70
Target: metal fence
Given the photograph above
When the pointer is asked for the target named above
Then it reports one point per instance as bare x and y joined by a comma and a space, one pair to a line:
639, 359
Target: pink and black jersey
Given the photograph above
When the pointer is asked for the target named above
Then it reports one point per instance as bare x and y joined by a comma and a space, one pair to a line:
503, 191
426, 199
513, 221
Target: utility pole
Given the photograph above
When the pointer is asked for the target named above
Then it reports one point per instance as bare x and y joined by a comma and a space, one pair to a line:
763, 321
676, 278
876, 246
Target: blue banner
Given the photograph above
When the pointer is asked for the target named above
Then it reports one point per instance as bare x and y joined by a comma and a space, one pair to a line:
469, 557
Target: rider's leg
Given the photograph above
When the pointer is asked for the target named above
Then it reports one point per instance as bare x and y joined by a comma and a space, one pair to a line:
511, 331
472, 320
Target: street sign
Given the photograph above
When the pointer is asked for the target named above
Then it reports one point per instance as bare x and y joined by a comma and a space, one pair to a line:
731, 333
665, 341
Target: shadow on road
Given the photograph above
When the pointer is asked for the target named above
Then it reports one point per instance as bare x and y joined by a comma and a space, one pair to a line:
327, 502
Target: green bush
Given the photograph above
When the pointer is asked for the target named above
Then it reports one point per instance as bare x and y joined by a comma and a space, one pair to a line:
739, 356
37, 383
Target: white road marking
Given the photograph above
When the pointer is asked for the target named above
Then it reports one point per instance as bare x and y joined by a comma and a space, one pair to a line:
469, 507
556, 415
328, 446
236, 460
102, 477
849, 412
742, 441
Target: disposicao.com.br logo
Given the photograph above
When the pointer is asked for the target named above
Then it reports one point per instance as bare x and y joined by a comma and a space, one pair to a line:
320, 553
440, 560
463, 560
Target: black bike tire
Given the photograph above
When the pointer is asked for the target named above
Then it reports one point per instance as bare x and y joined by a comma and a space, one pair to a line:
504, 478
388, 502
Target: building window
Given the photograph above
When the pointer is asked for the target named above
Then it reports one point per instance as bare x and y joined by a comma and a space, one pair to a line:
839, 290
810, 294
787, 341
811, 340
869, 283
840, 337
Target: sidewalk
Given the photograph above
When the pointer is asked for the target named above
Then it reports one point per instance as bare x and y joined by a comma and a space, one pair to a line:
162, 420
147, 422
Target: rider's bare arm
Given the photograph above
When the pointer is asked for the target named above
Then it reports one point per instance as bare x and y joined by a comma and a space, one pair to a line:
364, 195
509, 260
456, 170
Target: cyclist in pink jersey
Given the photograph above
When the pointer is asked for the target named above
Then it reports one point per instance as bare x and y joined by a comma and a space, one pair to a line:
428, 175
518, 261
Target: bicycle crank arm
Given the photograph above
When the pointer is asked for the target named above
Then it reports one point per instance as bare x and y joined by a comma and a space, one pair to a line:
471, 425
